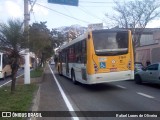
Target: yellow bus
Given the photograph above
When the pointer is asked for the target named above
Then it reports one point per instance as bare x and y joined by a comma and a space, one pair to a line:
98, 56
5, 68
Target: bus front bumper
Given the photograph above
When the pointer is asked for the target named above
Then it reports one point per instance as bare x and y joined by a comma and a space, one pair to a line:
110, 77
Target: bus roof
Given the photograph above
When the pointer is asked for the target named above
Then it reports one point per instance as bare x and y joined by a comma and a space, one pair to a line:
79, 38
112, 30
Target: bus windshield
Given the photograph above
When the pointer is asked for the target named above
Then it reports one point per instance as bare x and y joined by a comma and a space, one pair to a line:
110, 43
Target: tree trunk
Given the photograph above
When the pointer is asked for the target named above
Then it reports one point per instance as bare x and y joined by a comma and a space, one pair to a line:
13, 84
14, 67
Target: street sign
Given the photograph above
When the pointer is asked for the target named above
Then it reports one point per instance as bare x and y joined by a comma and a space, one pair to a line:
64, 2
97, 26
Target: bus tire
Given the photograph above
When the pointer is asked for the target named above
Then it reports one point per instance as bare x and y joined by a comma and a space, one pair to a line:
138, 79
73, 77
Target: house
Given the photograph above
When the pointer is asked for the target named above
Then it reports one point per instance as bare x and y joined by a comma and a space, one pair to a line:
149, 49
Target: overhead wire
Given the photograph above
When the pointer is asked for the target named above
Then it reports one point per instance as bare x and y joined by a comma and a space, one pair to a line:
34, 16
31, 9
63, 13
95, 2
88, 13
67, 10
95, 6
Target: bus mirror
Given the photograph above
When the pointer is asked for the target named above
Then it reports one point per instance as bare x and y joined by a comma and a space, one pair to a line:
89, 36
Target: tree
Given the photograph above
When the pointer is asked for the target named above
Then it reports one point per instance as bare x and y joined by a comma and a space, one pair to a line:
40, 41
12, 40
135, 14
58, 38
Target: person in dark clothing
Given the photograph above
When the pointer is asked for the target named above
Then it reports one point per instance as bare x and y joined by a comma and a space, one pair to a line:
55, 60
148, 62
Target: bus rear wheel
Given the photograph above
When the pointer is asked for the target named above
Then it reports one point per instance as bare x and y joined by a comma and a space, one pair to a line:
73, 77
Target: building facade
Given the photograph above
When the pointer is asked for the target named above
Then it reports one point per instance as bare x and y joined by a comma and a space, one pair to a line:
149, 49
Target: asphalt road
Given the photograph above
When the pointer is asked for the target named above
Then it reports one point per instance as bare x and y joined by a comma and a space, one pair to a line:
114, 96
8, 79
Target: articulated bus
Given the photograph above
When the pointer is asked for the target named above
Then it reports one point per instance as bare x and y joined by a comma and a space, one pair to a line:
5, 68
98, 56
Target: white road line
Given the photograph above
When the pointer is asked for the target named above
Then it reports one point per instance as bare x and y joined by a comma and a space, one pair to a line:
121, 86
5, 83
64, 95
9, 81
145, 95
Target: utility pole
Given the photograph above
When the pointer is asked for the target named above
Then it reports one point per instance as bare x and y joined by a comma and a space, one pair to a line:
27, 56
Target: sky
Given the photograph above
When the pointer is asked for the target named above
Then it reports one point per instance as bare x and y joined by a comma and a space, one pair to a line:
87, 12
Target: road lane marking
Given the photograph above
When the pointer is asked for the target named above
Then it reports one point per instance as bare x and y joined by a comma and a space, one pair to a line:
9, 81
69, 105
121, 86
5, 83
145, 95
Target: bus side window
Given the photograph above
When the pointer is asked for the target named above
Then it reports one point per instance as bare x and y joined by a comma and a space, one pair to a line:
63, 56
78, 52
72, 54
84, 52
5, 60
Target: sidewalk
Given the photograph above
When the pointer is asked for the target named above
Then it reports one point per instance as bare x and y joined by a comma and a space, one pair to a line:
49, 96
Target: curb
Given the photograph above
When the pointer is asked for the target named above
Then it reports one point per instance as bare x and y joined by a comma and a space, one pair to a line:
35, 103
36, 99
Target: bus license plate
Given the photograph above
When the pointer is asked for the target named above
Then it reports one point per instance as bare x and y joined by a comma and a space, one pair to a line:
113, 69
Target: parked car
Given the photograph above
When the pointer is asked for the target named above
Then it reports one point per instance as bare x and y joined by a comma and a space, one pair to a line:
149, 74
138, 66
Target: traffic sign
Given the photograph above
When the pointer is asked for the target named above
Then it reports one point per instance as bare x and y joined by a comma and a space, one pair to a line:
64, 2
97, 26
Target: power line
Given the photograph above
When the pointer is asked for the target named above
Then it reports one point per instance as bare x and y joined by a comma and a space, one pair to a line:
32, 5
34, 16
96, 2
88, 13
67, 10
31, 9
95, 6
63, 14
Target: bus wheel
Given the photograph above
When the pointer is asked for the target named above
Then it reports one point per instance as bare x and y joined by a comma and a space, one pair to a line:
138, 79
73, 77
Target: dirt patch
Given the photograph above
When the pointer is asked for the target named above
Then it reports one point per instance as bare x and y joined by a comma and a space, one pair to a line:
20, 81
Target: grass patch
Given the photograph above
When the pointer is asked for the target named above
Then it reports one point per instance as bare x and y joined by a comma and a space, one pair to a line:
21, 100
36, 72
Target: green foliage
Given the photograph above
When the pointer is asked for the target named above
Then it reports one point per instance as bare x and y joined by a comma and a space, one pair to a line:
11, 35
37, 72
11, 42
21, 100
58, 38
40, 41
